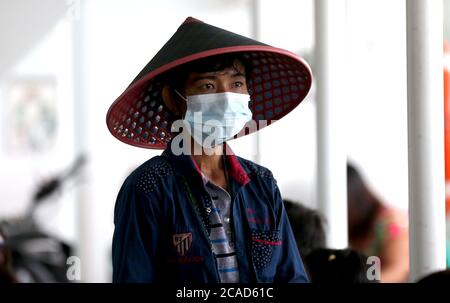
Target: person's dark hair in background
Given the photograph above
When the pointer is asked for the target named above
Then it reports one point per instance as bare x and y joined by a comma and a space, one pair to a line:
326, 265
377, 229
323, 265
439, 277
363, 206
307, 225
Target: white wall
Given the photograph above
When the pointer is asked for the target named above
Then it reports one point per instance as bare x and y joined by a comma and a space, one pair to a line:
22, 24
377, 112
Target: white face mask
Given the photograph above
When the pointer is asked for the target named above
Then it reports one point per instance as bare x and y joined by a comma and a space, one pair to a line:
216, 118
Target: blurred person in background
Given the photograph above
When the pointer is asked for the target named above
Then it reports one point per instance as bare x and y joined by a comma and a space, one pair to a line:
307, 225
326, 265
375, 229
198, 213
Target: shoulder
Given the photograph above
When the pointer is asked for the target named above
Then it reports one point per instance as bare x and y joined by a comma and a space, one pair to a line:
394, 221
255, 170
141, 189
150, 174
394, 215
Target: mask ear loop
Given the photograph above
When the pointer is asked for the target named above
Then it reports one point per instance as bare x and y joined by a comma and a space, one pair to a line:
180, 95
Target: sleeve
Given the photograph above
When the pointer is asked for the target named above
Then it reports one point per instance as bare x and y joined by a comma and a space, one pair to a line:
135, 239
290, 267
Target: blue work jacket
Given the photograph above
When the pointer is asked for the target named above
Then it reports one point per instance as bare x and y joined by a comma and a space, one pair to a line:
161, 225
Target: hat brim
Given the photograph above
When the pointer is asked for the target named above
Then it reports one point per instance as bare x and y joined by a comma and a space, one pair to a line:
279, 81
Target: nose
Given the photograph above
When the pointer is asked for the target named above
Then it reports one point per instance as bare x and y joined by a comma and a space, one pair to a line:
222, 87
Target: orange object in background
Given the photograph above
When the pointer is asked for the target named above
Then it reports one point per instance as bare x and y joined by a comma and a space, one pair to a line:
447, 123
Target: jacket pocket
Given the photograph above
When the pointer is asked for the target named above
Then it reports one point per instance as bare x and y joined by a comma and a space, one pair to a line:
263, 244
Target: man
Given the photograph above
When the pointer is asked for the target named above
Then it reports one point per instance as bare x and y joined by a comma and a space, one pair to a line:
198, 213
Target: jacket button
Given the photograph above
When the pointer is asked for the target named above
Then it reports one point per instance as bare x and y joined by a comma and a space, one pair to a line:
208, 210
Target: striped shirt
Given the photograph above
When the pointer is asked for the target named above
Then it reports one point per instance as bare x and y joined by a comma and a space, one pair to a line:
221, 234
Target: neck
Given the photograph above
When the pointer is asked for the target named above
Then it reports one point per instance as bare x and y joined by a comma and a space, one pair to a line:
209, 160
210, 163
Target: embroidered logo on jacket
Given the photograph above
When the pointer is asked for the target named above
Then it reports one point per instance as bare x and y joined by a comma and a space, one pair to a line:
182, 243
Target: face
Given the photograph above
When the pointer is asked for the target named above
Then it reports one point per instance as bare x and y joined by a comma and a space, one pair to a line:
231, 79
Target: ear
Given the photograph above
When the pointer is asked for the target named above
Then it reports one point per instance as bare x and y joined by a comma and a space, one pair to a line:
170, 101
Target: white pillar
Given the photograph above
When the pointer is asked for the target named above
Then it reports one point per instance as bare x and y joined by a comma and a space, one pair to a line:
85, 217
255, 28
425, 136
330, 80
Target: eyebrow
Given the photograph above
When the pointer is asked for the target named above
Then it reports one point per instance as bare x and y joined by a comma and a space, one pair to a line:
213, 77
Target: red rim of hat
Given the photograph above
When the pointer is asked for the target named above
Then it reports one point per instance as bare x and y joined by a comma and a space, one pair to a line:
279, 81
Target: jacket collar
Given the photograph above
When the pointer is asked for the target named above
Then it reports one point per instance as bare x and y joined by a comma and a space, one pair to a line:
185, 165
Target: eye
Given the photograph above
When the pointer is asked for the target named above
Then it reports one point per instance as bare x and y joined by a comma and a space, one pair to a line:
207, 86
238, 84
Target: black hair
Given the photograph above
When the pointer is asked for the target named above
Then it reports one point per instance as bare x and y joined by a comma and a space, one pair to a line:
437, 277
325, 265
363, 205
307, 226
177, 77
